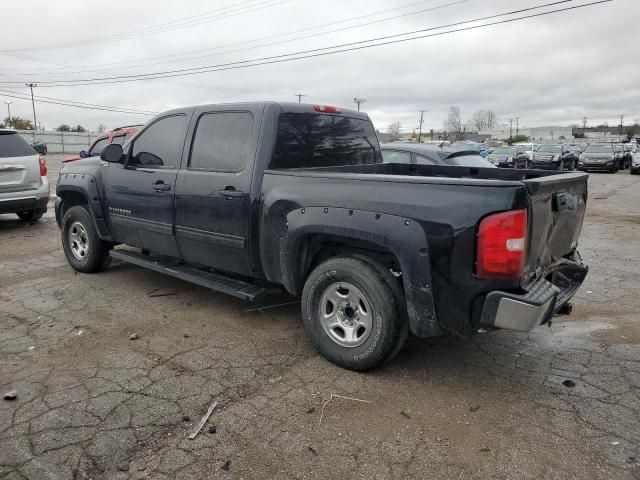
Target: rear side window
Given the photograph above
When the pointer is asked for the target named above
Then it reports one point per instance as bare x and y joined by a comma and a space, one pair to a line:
13, 145
307, 140
160, 145
395, 156
222, 142
422, 160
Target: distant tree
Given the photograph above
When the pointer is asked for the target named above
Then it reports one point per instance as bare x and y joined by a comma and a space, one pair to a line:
454, 125
19, 123
101, 128
79, 129
64, 128
483, 120
520, 138
394, 129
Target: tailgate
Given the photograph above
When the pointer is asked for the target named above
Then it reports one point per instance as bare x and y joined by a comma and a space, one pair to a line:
558, 204
19, 173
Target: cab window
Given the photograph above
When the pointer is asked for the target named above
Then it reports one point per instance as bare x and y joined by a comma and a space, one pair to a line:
160, 145
394, 156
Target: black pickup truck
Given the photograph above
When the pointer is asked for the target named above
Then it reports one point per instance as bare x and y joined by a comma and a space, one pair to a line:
242, 198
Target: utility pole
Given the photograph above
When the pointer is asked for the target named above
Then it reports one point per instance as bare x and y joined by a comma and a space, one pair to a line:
510, 130
422, 112
299, 95
584, 125
621, 119
358, 101
33, 104
517, 126
8, 111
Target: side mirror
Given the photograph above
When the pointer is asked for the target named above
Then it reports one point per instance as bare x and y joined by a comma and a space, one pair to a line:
83, 154
112, 153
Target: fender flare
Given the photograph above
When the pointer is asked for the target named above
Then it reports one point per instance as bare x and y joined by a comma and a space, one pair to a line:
87, 186
403, 237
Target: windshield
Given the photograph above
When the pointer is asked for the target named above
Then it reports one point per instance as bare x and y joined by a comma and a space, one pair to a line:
550, 149
307, 140
505, 151
599, 149
466, 160
13, 145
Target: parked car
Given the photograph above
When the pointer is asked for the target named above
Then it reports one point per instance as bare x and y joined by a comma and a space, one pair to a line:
627, 155
620, 156
509, 157
39, 146
24, 188
528, 148
598, 157
421, 154
119, 135
553, 157
298, 196
635, 163
480, 148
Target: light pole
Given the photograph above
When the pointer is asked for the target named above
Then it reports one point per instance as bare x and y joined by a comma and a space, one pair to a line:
33, 104
8, 111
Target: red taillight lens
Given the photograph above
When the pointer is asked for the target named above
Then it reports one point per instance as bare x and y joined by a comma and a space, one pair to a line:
43, 167
502, 239
326, 109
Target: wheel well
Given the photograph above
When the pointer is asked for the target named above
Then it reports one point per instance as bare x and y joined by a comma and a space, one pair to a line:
71, 199
316, 249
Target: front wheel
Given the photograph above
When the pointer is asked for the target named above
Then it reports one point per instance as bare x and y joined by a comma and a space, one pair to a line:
82, 246
351, 315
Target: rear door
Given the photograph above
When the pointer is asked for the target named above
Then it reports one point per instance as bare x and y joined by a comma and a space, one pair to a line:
19, 164
140, 193
213, 189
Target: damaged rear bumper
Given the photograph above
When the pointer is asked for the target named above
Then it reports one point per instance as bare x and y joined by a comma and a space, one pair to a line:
542, 298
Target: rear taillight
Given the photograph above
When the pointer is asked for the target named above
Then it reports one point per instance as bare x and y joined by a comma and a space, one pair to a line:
502, 239
326, 109
43, 167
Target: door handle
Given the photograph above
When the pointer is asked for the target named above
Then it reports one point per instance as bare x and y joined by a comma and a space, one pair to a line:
160, 186
229, 193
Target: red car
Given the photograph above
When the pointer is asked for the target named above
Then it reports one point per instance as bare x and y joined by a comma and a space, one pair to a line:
119, 136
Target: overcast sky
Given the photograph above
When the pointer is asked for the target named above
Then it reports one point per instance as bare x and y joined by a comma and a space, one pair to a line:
551, 70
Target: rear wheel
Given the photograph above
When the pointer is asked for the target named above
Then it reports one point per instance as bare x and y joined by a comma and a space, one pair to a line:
30, 215
82, 246
351, 315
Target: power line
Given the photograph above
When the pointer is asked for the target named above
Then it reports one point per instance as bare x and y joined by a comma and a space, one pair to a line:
183, 59
61, 102
318, 52
160, 28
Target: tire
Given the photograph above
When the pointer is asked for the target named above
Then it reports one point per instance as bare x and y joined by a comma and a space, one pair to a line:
82, 246
30, 215
372, 333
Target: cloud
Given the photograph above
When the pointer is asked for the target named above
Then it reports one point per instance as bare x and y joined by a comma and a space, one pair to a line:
550, 70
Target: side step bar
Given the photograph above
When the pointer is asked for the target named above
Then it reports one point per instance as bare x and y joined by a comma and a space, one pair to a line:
219, 283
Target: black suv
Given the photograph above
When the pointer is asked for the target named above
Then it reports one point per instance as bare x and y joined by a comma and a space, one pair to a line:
553, 157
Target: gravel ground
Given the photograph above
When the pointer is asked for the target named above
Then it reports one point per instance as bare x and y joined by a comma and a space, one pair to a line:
91, 403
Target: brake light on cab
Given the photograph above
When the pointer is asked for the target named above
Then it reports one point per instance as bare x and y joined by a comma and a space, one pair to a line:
502, 240
327, 109
43, 167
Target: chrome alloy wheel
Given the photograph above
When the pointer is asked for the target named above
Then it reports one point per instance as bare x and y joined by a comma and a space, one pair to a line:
346, 314
78, 241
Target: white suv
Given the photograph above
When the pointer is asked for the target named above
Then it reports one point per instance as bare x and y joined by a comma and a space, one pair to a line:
24, 188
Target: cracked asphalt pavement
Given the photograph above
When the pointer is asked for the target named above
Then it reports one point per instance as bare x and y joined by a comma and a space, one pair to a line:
93, 404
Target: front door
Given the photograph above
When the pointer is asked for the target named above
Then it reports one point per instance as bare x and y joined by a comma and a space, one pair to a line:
213, 190
140, 193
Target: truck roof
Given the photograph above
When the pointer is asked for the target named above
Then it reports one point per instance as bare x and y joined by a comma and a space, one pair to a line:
285, 107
